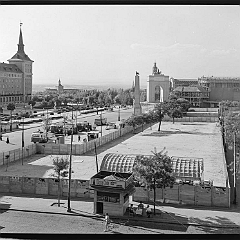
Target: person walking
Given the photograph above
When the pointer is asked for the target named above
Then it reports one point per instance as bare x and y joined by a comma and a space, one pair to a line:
7, 140
79, 138
148, 211
107, 221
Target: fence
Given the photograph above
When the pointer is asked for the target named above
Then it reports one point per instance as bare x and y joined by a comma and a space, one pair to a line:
78, 149
45, 186
192, 119
187, 194
17, 154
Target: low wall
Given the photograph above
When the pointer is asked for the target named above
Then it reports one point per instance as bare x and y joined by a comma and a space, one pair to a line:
187, 194
204, 109
17, 154
192, 119
45, 186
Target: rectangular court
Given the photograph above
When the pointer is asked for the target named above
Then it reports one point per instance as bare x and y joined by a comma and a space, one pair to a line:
188, 139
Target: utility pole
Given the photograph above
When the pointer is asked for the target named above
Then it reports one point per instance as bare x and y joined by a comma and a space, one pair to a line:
119, 112
23, 137
101, 123
70, 170
234, 169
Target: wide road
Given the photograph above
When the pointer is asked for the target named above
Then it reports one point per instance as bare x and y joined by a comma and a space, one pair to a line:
34, 222
15, 138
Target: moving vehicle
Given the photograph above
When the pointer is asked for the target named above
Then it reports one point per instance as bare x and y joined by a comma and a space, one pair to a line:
39, 136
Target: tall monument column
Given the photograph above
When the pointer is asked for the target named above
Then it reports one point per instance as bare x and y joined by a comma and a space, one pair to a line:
137, 105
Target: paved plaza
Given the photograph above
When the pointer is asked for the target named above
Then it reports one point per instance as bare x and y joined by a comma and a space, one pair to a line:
198, 140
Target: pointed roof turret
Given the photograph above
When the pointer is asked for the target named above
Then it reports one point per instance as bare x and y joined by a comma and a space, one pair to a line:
21, 55
20, 42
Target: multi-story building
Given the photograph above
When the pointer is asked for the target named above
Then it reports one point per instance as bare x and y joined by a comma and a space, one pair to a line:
60, 89
196, 95
221, 88
16, 77
174, 83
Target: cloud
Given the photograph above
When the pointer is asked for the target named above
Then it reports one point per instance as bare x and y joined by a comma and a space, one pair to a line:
223, 52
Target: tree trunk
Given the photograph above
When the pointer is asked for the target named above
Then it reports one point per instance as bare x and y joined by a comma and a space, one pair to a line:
173, 120
58, 191
154, 197
142, 127
159, 126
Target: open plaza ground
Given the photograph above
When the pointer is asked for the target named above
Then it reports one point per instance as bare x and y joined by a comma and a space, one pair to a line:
189, 139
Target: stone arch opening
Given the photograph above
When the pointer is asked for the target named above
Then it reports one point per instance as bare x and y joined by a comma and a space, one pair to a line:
158, 93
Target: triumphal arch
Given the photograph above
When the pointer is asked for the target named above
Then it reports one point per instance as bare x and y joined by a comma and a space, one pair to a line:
158, 86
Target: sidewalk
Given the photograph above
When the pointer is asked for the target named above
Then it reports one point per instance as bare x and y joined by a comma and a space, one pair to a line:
208, 217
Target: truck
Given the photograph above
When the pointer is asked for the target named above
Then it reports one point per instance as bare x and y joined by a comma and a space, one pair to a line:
39, 136
100, 121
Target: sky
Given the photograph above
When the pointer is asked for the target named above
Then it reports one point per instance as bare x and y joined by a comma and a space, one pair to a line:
107, 44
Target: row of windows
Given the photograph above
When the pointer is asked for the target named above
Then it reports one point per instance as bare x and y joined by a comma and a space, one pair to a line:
10, 80
12, 75
10, 99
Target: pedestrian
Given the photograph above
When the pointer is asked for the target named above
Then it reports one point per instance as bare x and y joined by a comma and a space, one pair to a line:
148, 211
107, 221
7, 140
79, 138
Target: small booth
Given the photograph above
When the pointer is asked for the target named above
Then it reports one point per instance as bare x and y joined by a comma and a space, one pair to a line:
113, 184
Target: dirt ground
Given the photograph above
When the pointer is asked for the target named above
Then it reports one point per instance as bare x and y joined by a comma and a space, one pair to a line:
188, 139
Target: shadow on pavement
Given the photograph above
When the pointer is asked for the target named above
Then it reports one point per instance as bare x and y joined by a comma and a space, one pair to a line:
25, 195
160, 221
168, 133
217, 225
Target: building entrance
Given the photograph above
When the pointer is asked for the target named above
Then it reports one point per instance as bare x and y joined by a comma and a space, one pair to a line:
99, 207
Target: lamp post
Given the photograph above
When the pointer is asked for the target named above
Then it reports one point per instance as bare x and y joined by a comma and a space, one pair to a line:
23, 138
234, 169
70, 170
119, 112
101, 122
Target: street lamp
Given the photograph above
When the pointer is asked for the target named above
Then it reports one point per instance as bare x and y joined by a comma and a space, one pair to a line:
101, 123
70, 169
23, 136
234, 169
119, 112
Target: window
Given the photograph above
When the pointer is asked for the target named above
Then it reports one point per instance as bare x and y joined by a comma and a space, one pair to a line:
108, 197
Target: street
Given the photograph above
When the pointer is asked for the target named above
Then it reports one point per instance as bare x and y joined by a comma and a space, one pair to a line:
15, 138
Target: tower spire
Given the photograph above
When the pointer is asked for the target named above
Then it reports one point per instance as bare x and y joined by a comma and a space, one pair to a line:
20, 42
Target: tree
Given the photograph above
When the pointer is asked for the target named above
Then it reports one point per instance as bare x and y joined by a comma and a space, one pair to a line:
159, 114
172, 108
232, 126
31, 102
11, 107
60, 164
154, 171
46, 123
184, 104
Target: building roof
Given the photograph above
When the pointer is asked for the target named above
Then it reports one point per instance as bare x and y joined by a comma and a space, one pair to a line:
186, 80
20, 55
190, 89
118, 163
182, 166
5, 67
